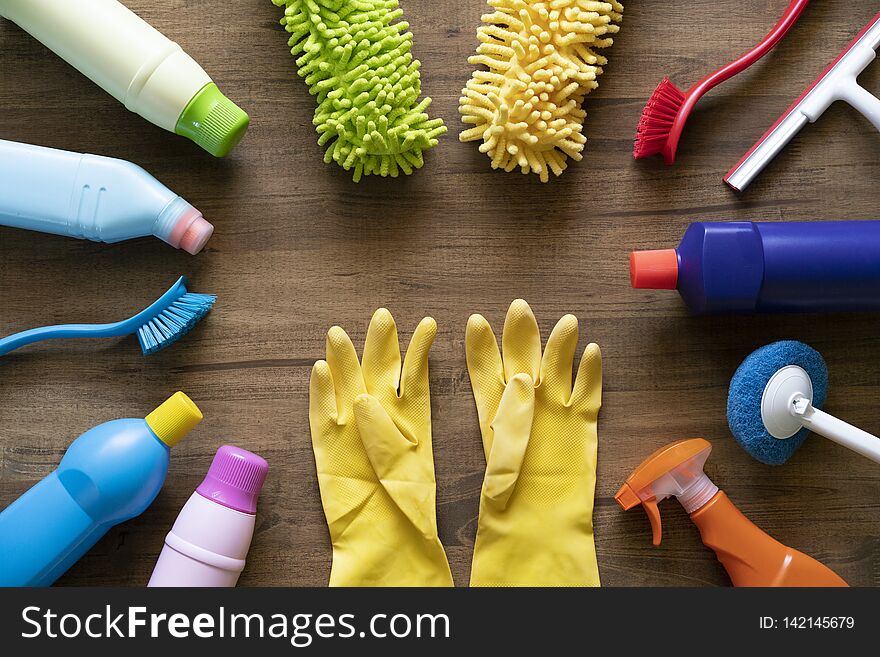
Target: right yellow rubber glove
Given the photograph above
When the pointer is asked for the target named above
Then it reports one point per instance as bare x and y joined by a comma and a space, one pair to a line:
539, 438
371, 433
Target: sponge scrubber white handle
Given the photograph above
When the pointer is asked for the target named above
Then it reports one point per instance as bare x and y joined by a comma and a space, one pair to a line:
837, 430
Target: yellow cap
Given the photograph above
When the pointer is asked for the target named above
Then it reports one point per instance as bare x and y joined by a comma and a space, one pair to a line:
176, 417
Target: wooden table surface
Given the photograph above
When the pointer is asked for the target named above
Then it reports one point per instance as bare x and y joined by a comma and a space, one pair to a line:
299, 247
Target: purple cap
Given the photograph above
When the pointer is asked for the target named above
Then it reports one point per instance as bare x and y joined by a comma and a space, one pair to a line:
235, 479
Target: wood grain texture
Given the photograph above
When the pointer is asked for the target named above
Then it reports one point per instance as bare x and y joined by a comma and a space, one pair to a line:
299, 247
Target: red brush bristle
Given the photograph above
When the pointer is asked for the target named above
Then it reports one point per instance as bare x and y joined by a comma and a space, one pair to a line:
657, 119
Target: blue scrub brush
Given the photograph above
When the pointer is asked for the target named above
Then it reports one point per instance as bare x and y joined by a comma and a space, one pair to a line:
774, 401
164, 322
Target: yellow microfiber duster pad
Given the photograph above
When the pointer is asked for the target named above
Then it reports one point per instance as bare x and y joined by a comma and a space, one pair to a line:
542, 62
357, 61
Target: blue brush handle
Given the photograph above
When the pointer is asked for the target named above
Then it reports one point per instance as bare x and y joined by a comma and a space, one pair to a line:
117, 329
64, 331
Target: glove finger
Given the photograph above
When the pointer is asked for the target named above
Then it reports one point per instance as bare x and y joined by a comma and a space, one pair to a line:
414, 381
381, 361
512, 428
486, 373
401, 472
346, 370
521, 342
385, 444
558, 359
322, 397
337, 451
587, 393
345, 476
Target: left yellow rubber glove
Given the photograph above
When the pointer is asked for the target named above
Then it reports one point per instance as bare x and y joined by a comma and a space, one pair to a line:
371, 433
540, 442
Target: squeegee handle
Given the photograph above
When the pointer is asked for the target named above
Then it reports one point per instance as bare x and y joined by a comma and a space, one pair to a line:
842, 433
863, 100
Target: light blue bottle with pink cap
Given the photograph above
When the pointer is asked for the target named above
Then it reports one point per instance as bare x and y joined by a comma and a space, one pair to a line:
92, 197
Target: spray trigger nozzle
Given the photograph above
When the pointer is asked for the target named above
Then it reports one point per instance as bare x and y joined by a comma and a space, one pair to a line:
675, 470
627, 498
653, 512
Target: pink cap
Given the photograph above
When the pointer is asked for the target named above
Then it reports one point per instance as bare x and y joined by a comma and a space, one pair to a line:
654, 270
197, 235
191, 232
235, 479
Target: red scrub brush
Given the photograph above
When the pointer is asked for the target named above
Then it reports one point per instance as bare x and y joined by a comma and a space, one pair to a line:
668, 109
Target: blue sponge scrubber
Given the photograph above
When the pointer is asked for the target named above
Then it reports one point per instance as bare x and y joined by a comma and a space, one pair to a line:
747, 389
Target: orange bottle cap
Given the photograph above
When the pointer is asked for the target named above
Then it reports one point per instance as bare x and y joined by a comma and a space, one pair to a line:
654, 270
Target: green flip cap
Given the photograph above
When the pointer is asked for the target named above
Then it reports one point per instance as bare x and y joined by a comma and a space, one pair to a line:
213, 121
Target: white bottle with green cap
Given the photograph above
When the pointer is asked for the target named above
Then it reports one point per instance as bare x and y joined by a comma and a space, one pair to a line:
136, 64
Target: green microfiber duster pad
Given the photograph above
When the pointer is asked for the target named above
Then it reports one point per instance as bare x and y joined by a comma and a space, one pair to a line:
357, 61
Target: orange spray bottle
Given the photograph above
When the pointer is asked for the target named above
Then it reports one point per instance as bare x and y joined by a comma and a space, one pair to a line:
750, 556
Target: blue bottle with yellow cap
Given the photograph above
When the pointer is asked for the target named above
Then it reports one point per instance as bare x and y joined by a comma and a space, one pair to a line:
108, 475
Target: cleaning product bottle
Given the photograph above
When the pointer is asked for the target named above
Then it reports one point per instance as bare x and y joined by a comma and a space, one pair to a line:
750, 556
92, 197
210, 539
136, 64
820, 266
109, 474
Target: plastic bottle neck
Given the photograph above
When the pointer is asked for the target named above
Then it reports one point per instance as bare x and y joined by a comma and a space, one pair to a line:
182, 226
698, 494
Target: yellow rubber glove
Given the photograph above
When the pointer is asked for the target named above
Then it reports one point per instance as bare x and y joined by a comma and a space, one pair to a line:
539, 437
374, 457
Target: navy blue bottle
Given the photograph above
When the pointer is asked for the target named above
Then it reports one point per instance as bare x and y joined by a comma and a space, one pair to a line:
744, 267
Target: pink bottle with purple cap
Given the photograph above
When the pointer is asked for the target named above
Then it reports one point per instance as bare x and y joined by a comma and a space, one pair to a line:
212, 534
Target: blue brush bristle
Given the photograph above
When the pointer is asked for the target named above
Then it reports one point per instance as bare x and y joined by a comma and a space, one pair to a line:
174, 321
747, 389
